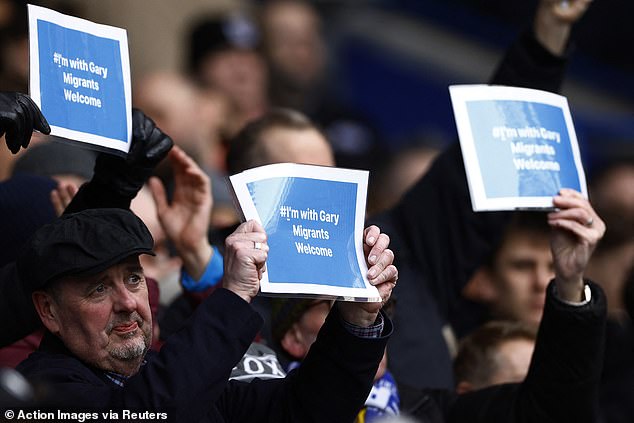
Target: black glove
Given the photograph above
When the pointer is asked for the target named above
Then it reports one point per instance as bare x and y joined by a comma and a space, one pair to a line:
126, 176
19, 115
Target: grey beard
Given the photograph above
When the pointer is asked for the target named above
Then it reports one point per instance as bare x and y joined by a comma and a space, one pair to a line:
130, 352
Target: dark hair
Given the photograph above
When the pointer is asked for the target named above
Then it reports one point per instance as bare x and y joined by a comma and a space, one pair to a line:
246, 149
213, 34
476, 360
533, 222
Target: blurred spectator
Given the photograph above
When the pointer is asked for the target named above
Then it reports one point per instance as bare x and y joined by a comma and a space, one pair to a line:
498, 352
296, 54
295, 324
496, 382
14, 47
437, 237
612, 192
171, 101
398, 176
282, 135
513, 282
218, 125
223, 56
58, 159
196, 120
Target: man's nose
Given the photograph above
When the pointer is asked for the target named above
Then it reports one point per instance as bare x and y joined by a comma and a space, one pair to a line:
123, 300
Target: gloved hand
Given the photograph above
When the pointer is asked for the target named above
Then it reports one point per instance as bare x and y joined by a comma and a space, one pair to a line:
19, 115
127, 175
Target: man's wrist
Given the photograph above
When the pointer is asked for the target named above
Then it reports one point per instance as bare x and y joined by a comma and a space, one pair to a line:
587, 297
570, 290
246, 296
354, 314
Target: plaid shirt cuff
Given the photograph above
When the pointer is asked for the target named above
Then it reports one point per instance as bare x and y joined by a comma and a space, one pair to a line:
373, 331
119, 379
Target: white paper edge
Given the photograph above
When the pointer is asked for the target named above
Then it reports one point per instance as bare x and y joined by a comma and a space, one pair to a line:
359, 177
100, 30
460, 94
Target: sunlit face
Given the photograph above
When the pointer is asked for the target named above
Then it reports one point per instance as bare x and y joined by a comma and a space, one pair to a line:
105, 319
521, 271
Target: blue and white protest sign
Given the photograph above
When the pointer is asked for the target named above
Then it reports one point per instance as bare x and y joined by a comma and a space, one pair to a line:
314, 218
80, 78
519, 146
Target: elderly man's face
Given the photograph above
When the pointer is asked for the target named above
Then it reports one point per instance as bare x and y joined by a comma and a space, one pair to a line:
104, 319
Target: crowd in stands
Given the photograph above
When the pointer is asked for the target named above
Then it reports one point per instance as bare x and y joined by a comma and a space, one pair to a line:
131, 283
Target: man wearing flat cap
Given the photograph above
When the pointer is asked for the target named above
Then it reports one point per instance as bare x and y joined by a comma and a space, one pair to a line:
88, 286
89, 291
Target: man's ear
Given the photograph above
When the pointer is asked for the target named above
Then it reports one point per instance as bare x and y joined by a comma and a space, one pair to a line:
46, 308
293, 344
481, 287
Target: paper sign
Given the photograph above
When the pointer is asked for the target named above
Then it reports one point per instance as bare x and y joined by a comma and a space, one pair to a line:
314, 218
519, 146
80, 78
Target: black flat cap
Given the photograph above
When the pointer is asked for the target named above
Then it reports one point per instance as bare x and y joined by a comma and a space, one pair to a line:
83, 243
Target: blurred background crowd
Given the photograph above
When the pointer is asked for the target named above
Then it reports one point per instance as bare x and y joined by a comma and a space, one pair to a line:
373, 74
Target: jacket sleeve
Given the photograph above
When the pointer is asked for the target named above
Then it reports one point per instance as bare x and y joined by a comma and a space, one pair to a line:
94, 194
331, 385
528, 64
196, 362
564, 375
